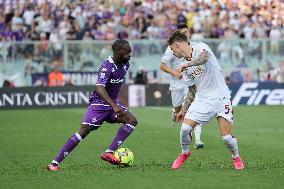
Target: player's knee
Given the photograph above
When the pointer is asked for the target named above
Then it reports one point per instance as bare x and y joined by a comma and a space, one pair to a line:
185, 128
134, 121
85, 130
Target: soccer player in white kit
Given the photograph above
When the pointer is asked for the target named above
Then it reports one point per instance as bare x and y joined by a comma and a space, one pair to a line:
169, 64
212, 98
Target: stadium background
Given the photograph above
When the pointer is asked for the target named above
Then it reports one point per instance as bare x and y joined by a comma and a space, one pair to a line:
44, 40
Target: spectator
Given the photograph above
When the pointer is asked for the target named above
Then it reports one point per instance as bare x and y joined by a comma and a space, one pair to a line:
72, 19
28, 16
8, 84
141, 76
122, 34
69, 83
274, 35
17, 21
55, 78
109, 33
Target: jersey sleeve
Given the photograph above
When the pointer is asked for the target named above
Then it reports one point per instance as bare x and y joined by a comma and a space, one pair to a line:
204, 46
104, 74
167, 57
212, 60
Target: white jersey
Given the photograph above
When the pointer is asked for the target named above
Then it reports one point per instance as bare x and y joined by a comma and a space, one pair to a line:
173, 62
208, 77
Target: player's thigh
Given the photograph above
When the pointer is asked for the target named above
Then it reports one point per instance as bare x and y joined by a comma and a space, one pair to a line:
201, 111
224, 109
96, 115
178, 97
128, 117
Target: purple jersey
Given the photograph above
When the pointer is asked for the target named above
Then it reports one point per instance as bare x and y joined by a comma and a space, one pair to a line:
111, 77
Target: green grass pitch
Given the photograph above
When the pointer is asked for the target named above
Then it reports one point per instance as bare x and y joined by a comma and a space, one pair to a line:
29, 140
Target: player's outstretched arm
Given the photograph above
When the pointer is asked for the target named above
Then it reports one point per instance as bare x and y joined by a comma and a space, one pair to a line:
187, 102
169, 70
102, 92
202, 59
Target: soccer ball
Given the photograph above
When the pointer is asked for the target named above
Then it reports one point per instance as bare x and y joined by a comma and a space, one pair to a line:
125, 155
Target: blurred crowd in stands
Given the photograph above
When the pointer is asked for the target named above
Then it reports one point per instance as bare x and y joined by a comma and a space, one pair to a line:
55, 20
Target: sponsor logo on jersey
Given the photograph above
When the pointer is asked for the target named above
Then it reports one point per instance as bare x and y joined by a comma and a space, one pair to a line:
116, 81
197, 72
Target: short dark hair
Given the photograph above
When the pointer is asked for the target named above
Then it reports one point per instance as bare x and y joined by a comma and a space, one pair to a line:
177, 36
182, 25
119, 44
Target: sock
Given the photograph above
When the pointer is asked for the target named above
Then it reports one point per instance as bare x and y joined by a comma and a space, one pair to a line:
197, 134
185, 137
69, 145
123, 132
232, 145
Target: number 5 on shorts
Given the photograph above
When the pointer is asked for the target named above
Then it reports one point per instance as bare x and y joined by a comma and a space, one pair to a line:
227, 109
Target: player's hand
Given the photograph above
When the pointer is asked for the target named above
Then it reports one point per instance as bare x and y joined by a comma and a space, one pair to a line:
178, 75
180, 116
181, 68
119, 112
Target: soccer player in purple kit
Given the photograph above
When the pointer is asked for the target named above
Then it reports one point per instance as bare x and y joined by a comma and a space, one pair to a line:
103, 106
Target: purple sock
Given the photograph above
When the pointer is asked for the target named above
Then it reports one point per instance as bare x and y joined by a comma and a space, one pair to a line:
69, 145
123, 132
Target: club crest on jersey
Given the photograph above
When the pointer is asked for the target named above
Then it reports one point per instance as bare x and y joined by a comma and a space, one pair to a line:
197, 72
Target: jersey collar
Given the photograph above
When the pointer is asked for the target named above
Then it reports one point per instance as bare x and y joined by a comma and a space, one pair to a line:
111, 61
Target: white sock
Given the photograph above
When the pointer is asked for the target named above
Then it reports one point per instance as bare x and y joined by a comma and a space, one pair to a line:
78, 136
232, 145
197, 134
55, 162
185, 137
110, 151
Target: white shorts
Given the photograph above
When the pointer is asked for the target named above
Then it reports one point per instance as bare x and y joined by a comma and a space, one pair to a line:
178, 96
204, 110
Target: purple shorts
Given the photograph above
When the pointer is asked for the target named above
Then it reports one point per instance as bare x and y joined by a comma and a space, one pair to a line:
97, 114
